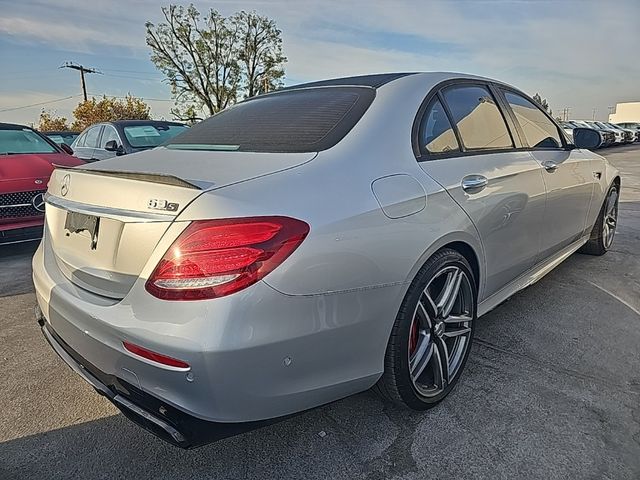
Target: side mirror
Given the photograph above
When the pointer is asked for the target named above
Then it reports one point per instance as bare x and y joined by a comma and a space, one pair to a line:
586, 138
111, 146
66, 148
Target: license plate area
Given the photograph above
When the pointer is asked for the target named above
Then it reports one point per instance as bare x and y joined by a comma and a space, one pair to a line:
76, 223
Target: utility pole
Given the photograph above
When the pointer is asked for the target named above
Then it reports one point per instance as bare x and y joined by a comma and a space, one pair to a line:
593, 117
82, 69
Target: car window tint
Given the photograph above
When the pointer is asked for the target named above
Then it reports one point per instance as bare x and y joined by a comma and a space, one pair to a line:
109, 134
91, 137
539, 131
477, 118
436, 133
305, 120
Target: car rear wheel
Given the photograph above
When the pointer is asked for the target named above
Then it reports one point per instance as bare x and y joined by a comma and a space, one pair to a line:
605, 227
432, 333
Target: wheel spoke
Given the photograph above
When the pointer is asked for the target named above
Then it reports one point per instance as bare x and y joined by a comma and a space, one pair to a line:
425, 314
422, 357
458, 318
456, 332
429, 305
611, 202
449, 293
442, 367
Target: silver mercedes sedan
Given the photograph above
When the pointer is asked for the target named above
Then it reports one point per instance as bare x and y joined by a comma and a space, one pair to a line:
311, 243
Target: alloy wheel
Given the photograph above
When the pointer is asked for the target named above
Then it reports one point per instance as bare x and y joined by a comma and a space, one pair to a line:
440, 331
610, 218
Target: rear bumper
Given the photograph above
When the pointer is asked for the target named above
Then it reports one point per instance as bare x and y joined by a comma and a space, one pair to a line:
253, 356
149, 412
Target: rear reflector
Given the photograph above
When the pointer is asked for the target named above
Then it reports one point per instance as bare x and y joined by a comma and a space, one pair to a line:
154, 356
214, 258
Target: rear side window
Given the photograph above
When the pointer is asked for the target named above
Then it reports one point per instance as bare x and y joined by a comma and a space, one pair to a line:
539, 131
306, 120
91, 137
108, 135
436, 133
477, 118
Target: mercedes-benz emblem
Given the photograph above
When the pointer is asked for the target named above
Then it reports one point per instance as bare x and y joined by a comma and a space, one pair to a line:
38, 202
64, 189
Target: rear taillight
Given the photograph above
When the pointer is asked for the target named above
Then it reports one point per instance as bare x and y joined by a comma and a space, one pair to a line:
214, 258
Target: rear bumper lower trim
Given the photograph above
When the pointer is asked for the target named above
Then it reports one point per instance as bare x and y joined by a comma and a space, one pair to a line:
178, 428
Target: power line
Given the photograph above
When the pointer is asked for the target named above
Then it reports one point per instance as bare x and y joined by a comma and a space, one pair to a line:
82, 69
134, 96
39, 103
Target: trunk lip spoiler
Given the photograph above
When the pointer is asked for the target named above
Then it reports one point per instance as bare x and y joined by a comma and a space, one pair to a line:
120, 214
151, 177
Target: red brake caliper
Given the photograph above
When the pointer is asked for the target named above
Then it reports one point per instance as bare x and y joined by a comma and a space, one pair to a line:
413, 337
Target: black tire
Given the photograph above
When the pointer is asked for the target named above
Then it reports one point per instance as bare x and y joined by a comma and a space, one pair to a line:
397, 384
597, 243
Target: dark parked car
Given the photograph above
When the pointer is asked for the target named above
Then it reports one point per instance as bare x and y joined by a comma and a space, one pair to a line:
62, 136
106, 140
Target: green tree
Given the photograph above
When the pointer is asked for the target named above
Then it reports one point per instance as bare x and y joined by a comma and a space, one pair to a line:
210, 60
49, 122
109, 109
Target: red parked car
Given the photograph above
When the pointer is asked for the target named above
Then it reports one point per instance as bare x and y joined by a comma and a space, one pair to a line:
27, 159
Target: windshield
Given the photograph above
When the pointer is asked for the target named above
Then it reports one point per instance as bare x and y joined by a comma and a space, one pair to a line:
152, 135
61, 138
23, 141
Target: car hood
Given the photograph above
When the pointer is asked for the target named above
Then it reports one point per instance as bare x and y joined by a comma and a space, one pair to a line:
33, 165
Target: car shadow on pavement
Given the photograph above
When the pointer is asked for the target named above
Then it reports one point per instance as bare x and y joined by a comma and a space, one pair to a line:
15, 274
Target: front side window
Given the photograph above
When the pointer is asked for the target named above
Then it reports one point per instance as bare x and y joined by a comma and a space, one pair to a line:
15, 141
539, 131
108, 135
436, 133
477, 118
91, 137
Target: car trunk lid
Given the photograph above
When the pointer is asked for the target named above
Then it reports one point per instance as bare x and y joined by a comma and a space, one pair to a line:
104, 220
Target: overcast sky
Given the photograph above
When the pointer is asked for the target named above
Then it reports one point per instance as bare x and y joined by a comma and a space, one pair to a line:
577, 54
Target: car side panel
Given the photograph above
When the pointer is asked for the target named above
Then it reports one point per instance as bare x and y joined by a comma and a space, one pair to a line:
569, 192
507, 213
352, 243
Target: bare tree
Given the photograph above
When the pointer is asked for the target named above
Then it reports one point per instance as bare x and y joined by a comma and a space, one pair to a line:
260, 53
210, 61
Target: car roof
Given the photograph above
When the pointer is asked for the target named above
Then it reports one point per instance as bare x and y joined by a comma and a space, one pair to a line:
380, 79
60, 132
127, 123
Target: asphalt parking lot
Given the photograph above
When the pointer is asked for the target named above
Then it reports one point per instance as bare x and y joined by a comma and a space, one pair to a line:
551, 390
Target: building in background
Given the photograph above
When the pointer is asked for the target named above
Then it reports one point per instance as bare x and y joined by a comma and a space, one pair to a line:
626, 112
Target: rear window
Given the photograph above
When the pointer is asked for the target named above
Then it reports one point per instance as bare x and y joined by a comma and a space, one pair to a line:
23, 141
306, 120
149, 136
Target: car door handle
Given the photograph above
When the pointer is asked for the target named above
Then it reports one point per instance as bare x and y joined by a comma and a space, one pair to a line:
474, 183
550, 166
